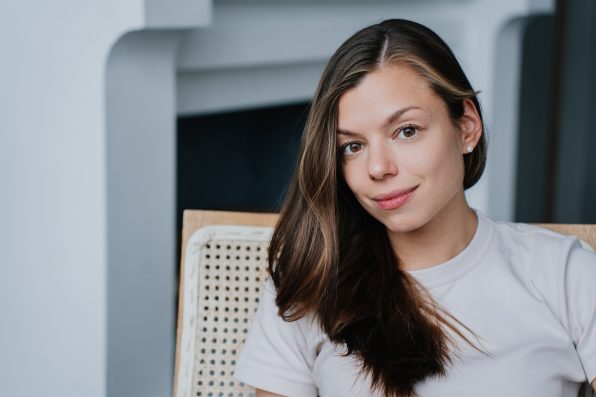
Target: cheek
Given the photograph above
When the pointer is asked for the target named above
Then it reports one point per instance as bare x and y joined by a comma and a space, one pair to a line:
448, 168
351, 175
438, 161
424, 161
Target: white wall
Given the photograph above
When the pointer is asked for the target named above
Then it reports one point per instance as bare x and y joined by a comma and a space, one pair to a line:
53, 209
53, 201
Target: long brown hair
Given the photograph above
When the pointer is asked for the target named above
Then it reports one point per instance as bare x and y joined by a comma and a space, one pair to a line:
329, 257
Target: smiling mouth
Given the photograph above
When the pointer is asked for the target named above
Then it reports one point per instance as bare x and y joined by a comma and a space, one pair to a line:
395, 199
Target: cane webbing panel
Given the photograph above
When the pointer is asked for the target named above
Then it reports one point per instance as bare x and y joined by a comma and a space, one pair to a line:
225, 269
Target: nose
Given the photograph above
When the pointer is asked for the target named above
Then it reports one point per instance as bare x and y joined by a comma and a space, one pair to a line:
381, 161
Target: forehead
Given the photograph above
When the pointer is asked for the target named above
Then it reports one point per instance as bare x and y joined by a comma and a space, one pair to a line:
381, 93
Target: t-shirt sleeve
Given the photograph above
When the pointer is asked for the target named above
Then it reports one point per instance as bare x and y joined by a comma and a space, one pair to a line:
277, 355
580, 296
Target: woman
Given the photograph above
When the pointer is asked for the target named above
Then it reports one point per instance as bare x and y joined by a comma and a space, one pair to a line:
383, 280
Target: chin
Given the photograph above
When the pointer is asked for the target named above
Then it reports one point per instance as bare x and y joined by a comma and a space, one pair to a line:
400, 223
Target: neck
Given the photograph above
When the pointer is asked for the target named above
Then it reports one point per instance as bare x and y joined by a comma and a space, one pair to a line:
439, 240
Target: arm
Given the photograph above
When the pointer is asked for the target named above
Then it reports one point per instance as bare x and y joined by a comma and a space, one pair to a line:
263, 393
581, 297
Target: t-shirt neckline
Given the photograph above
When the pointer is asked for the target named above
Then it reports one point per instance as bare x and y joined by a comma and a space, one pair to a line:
456, 267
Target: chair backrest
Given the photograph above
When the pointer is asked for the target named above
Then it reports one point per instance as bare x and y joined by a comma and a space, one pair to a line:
223, 267
225, 254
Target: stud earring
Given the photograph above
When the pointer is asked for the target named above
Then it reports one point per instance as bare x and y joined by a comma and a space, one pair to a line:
469, 149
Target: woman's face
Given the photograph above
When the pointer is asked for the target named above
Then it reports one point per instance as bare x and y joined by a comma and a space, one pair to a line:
402, 156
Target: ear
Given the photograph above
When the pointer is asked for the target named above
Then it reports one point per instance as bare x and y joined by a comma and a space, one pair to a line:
470, 126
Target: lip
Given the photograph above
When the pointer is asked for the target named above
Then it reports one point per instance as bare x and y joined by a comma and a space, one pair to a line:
395, 199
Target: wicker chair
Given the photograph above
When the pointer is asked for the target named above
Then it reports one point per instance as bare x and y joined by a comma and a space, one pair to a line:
223, 267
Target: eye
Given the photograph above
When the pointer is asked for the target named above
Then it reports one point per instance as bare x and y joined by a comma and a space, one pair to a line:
408, 131
349, 148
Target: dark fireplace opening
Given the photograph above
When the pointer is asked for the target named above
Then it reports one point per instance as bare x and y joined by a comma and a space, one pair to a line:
237, 161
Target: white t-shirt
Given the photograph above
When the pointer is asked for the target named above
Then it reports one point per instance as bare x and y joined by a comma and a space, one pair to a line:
528, 293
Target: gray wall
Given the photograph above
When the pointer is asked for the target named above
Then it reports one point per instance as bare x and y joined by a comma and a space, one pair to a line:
52, 195
534, 123
576, 138
53, 191
141, 208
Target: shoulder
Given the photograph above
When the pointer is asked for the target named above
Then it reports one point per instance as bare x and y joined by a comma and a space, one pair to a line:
537, 256
554, 266
538, 249
528, 233
306, 329
545, 249
301, 337
532, 246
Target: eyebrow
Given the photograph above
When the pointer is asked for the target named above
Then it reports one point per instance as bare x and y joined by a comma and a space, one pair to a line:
390, 119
